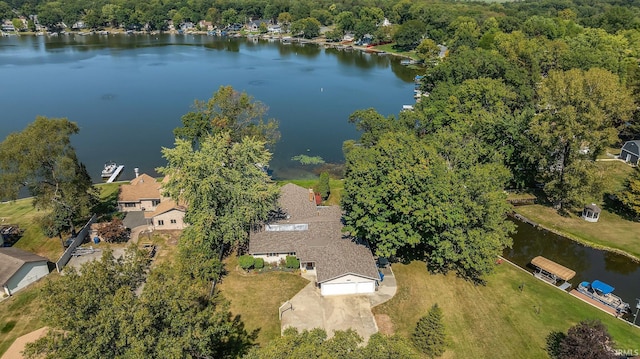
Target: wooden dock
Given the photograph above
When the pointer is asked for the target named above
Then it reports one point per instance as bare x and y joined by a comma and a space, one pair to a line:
594, 302
115, 174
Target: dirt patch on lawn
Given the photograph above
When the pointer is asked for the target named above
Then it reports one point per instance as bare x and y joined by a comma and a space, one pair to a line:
385, 325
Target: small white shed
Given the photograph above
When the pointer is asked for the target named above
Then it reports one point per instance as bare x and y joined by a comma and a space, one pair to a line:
20, 268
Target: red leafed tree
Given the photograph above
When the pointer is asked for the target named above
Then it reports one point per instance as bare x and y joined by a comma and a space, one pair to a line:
114, 231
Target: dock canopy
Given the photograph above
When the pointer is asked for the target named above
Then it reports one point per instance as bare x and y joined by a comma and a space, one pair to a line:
601, 287
554, 268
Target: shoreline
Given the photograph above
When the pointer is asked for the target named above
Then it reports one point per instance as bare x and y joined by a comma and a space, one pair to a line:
320, 41
582, 241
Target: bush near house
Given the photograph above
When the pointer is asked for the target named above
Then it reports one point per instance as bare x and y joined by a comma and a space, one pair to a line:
246, 261
259, 263
292, 262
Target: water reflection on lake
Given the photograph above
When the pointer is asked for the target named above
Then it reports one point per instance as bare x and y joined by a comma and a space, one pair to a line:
128, 93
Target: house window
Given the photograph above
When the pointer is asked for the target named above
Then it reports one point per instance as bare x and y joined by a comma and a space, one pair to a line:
160, 222
271, 255
155, 202
129, 205
292, 253
173, 221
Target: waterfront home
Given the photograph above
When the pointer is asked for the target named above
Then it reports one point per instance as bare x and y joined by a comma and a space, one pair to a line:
141, 194
341, 263
168, 215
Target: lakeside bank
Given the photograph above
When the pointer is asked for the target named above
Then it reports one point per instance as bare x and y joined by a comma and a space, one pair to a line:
536, 223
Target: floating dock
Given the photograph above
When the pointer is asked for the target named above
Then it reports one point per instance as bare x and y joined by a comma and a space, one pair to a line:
594, 302
115, 174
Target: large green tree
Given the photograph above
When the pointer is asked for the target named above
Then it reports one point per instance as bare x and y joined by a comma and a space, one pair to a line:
406, 194
409, 35
223, 185
41, 159
227, 110
579, 114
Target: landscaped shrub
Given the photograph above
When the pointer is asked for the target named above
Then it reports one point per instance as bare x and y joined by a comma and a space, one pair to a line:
259, 263
246, 262
323, 186
292, 262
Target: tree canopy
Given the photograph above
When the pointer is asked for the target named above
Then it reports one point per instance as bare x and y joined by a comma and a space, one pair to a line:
426, 196
41, 159
96, 313
227, 111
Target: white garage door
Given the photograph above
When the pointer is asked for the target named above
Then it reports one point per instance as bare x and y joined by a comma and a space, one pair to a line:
339, 288
348, 288
366, 287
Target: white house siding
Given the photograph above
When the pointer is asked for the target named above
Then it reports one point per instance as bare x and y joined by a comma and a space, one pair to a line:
274, 259
166, 218
348, 284
27, 274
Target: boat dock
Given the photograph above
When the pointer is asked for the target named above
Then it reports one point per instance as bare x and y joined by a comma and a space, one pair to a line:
594, 302
550, 271
115, 174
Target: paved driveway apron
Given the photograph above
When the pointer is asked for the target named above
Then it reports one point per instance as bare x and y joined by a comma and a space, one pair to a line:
310, 310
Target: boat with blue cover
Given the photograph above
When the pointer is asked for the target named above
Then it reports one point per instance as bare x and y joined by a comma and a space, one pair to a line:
603, 293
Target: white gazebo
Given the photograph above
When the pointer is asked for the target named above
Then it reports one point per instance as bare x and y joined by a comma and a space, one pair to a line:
591, 213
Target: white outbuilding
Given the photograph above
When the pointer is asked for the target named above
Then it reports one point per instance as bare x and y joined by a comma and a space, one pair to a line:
20, 268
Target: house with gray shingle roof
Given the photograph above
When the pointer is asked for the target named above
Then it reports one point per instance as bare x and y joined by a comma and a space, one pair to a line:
342, 264
630, 152
20, 268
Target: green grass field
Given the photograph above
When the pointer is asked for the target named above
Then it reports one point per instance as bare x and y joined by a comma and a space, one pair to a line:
496, 320
257, 297
388, 48
20, 315
614, 174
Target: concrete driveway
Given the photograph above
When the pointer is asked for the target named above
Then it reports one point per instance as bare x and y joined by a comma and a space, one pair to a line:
308, 309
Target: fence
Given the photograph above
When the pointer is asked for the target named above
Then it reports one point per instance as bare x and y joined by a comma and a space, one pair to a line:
64, 259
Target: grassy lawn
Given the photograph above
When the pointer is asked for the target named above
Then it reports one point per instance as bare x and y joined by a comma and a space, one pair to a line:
257, 297
20, 315
22, 213
336, 185
611, 231
496, 320
615, 174
389, 49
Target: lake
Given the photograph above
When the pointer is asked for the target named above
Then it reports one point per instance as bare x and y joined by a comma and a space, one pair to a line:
128, 92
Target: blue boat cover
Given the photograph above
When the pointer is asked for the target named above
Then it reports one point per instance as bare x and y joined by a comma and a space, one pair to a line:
603, 288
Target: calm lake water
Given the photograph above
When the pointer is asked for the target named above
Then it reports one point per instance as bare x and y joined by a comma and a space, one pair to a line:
128, 92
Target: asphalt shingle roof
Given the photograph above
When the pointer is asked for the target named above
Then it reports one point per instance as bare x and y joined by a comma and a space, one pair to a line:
335, 253
141, 187
12, 259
